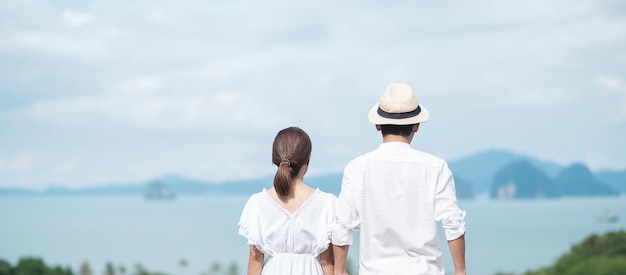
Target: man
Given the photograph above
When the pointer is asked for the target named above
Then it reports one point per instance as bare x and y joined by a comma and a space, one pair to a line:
395, 195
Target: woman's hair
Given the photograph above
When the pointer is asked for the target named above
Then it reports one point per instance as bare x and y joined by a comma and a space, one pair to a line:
290, 151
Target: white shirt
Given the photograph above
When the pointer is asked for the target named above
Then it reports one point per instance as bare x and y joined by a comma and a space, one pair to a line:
395, 195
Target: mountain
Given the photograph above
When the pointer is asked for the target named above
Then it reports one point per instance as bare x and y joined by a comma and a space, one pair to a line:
177, 185
521, 180
182, 186
577, 180
474, 174
479, 169
616, 179
464, 189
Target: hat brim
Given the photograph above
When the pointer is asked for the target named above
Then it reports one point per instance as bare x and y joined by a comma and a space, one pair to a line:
375, 118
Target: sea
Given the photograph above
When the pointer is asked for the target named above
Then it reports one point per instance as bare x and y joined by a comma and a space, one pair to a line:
198, 234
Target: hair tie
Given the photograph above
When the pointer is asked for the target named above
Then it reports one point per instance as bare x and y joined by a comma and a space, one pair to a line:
285, 160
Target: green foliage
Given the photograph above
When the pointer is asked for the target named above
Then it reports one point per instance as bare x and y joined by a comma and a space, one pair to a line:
599, 266
5, 268
233, 269
85, 269
140, 270
598, 255
57, 270
110, 269
32, 266
215, 269
609, 245
543, 271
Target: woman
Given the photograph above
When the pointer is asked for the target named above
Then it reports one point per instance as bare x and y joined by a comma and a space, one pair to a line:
289, 223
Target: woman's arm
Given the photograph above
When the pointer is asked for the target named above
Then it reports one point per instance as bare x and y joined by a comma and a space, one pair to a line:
255, 263
328, 261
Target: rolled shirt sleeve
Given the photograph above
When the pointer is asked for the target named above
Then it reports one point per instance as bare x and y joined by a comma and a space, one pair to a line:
446, 206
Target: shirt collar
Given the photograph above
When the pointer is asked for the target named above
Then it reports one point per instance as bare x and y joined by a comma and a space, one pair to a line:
394, 145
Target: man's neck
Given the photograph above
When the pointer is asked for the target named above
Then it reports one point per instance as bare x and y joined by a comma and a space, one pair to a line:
397, 138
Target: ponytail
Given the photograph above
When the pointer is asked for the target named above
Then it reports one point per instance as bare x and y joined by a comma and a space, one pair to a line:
290, 151
283, 177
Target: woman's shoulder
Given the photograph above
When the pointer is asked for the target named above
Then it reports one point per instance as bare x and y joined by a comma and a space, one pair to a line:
325, 195
257, 197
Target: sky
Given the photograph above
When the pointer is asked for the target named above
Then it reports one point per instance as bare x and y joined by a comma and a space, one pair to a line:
102, 92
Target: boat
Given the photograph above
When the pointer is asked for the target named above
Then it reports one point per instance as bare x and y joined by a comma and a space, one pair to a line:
159, 191
610, 216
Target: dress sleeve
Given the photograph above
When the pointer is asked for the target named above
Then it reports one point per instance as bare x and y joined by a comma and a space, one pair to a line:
446, 206
247, 222
328, 216
346, 218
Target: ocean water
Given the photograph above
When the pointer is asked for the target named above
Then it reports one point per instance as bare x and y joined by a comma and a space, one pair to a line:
511, 236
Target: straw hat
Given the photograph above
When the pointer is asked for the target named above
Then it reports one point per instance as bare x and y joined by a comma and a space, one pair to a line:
398, 106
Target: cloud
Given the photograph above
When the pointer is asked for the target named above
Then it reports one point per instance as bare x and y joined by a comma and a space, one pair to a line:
142, 84
68, 166
610, 82
76, 19
49, 43
616, 98
545, 98
596, 160
227, 97
21, 163
199, 70
139, 102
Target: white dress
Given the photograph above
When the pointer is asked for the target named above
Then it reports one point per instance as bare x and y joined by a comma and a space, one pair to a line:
291, 242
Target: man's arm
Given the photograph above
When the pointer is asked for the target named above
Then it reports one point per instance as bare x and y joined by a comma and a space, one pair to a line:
327, 261
452, 218
457, 249
341, 256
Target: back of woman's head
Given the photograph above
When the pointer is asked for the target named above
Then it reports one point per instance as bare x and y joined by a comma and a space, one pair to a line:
291, 150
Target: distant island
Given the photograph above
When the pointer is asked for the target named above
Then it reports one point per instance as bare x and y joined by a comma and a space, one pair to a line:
497, 173
523, 180
505, 175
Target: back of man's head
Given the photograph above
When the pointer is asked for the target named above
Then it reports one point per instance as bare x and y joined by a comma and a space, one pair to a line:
398, 130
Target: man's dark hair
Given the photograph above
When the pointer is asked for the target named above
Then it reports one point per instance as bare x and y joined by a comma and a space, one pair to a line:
402, 130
